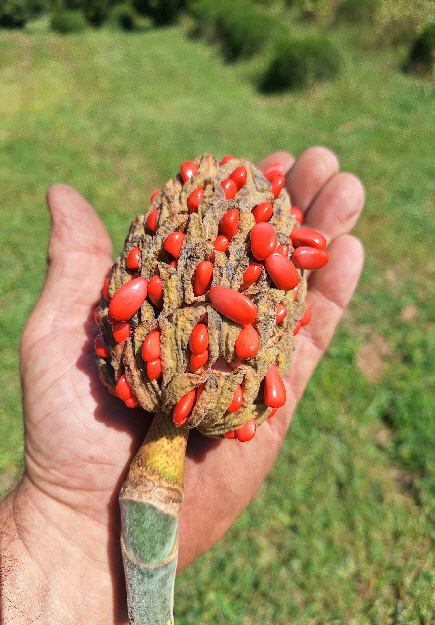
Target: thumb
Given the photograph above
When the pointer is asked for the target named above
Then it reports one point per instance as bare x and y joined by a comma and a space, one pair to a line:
79, 258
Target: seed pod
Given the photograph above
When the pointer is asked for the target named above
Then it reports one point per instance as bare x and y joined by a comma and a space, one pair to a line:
215, 253
213, 307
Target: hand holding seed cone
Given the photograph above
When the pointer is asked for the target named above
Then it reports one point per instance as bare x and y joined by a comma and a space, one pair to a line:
226, 255
80, 440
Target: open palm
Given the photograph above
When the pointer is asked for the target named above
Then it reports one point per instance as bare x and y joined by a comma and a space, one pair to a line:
80, 439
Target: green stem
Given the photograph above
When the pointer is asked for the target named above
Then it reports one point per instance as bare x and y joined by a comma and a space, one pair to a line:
150, 499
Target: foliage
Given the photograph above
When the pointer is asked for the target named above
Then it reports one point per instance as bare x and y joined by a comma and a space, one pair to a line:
241, 29
162, 12
123, 17
96, 11
299, 63
397, 21
421, 57
15, 13
65, 22
357, 11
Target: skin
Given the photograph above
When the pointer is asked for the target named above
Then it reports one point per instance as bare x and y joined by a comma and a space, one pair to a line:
61, 559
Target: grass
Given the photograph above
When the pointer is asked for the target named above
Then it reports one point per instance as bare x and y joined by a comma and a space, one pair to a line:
342, 530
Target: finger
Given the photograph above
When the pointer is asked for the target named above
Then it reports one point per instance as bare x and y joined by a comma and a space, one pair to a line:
310, 172
336, 208
284, 158
79, 257
330, 291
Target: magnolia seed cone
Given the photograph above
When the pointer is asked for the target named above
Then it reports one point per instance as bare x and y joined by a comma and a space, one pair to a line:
183, 305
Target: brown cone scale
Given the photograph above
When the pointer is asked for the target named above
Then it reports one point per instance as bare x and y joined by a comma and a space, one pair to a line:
182, 309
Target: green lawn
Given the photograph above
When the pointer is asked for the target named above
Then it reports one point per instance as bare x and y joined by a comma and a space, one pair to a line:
342, 531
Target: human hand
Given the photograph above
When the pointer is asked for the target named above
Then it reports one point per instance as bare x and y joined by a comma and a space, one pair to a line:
80, 440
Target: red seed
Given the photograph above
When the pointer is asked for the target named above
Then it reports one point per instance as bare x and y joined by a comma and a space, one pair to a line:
297, 214
295, 293
133, 259
263, 240
251, 274
100, 347
248, 342
106, 289
97, 315
274, 389
123, 389
309, 257
183, 408
229, 187
277, 182
173, 264
128, 299
152, 219
262, 212
229, 224
283, 249
297, 328
230, 434
188, 169
233, 305
282, 271
198, 341
281, 313
154, 369
131, 403
198, 360
247, 431
237, 400
154, 195
307, 236
155, 291
276, 168
121, 331
174, 242
151, 346
271, 413
194, 200
306, 317
221, 243
202, 277
226, 158
111, 319
240, 176
199, 390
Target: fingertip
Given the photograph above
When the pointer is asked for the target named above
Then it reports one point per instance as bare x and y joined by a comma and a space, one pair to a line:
75, 224
337, 281
310, 172
337, 207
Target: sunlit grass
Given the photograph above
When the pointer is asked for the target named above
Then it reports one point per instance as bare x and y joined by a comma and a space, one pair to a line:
341, 532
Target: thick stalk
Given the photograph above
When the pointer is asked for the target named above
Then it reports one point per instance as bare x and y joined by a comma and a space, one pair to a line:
150, 499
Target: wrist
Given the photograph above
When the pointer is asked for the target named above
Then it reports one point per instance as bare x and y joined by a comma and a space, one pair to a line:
57, 566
